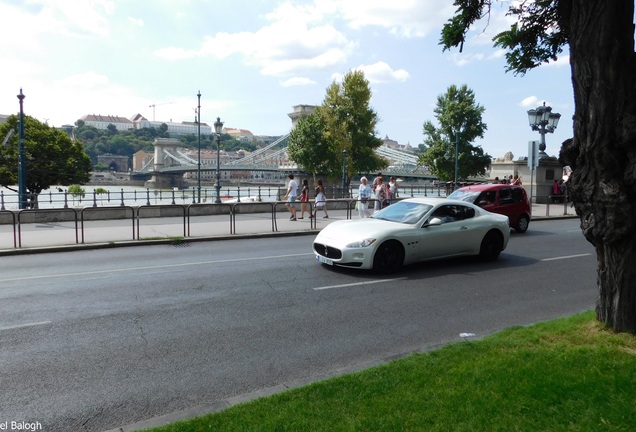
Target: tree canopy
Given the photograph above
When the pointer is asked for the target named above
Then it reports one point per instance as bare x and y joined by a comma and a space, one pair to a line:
52, 158
460, 118
344, 121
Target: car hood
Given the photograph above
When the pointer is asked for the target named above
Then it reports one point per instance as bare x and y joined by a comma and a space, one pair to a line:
346, 231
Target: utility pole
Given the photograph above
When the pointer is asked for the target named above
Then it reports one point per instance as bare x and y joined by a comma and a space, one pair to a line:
22, 168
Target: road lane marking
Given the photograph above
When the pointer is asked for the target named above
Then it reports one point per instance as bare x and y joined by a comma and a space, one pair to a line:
357, 284
155, 267
565, 257
13, 327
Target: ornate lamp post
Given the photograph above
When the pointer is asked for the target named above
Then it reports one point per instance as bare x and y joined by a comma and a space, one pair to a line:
22, 168
198, 120
218, 128
545, 121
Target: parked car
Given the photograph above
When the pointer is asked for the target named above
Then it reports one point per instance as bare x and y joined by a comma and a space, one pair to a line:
412, 230
505, 199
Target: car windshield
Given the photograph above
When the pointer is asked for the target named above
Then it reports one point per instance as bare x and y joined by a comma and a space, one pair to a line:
403, 212
468, 195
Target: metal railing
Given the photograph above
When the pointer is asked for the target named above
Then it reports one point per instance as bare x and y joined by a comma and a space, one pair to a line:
186, 214
557, 200
147, 196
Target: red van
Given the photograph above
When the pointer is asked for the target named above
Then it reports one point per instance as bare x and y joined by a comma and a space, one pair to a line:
505, 199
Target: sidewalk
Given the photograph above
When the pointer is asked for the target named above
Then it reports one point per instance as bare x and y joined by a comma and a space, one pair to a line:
62, 236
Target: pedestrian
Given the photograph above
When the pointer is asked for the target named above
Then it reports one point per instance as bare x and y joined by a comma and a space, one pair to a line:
392, 189
380, 194
556, 191
320, 199
375, 180
364, 194
304, 200
290, 196
563, 190
516, 180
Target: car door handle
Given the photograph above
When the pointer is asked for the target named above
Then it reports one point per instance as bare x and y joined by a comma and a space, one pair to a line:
463, 227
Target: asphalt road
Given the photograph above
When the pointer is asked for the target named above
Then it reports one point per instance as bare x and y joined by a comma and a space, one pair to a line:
94, 340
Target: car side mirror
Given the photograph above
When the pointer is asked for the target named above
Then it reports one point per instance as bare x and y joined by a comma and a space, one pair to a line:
434, 221
483, 203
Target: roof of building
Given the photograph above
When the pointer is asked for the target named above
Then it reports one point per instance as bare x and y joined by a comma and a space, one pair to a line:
106, 118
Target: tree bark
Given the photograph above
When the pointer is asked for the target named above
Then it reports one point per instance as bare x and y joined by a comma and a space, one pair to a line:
603, 150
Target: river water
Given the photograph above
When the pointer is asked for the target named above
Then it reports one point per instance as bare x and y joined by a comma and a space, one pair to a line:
55, 197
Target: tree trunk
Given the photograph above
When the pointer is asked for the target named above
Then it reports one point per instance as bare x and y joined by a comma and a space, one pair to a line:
616, 304
603, 150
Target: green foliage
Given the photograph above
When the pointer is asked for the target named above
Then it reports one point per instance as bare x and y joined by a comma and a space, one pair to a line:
309, 147
76, 190
52, 158
456, 110
100, 191
537, 37
344, 121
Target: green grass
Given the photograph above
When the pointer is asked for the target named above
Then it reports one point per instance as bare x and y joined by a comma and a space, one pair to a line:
565, 375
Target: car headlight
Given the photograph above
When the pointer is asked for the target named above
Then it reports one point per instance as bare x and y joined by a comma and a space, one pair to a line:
362, 243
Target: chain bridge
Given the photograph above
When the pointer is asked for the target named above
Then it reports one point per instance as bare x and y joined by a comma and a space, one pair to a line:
170, 161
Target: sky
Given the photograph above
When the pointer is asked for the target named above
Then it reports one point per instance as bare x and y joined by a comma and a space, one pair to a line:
253, 60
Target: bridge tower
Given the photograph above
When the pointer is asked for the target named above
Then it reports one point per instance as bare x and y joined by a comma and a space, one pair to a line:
164, 180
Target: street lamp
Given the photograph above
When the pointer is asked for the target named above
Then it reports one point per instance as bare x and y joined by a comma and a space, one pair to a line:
198, 120
344, 172
22, 168
447, 156
545, 121
218, 128
457, 134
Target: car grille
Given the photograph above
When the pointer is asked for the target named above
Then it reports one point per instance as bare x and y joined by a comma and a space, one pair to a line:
327, 251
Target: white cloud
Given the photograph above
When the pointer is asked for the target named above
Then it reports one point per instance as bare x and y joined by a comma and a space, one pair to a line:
381, 72
136, 21
531, 102
406, 18
463, 59
273, 50
301, 38
298, 82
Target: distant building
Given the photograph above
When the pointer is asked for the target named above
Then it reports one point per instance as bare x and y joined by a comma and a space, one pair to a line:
141, 159
3, 118
243, 135
99, 121
138, 121
392, 144
183, 128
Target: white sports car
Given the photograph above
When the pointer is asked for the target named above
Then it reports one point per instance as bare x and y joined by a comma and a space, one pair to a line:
412, 230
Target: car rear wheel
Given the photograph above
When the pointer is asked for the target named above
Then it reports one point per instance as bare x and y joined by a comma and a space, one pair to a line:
491, 246
388, 257
522, 225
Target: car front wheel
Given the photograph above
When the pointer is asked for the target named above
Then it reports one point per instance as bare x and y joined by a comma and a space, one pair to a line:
491, 246
388, 257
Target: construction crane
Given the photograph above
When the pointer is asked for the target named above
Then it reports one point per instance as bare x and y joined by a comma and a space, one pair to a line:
156, 105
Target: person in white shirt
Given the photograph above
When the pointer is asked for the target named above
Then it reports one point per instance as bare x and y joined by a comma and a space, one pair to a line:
292, 191
364, 194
